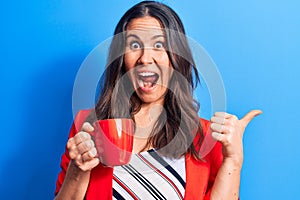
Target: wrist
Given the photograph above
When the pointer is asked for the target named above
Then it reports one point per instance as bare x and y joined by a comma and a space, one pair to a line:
233, 163
76, 172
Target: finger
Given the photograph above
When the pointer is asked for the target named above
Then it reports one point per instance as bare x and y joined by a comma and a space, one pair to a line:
73, 153
78, 160
216, 127
218, 136
249, 116
87, 127
81, 137
89, 155
225, 115
85, 146
71, 146
71, 142
218, 120
222, 114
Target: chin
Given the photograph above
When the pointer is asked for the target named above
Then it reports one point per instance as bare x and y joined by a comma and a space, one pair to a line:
153, 98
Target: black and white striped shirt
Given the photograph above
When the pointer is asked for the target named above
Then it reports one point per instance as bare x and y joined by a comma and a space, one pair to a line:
150, 176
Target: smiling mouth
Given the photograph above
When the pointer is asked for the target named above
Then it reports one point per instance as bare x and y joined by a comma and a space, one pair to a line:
147, 80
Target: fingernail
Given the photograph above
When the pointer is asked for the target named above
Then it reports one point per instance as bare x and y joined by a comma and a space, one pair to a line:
91, 128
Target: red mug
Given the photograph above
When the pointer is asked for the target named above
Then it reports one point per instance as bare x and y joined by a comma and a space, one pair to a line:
114, 140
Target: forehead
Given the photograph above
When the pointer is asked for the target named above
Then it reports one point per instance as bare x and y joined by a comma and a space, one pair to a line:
145, 25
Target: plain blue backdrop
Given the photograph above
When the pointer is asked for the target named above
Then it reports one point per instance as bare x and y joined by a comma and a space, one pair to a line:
255, 45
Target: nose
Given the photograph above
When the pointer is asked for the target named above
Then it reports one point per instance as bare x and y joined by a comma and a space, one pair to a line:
146, 56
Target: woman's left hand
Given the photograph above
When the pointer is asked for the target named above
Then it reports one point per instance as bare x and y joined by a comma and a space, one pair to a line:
229, 130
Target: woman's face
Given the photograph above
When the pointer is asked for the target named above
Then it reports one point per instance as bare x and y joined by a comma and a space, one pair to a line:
146, 59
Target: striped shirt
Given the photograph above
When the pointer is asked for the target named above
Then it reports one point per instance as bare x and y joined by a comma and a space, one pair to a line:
150, 176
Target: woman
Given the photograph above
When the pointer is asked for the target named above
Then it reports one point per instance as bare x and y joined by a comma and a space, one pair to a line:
151, 67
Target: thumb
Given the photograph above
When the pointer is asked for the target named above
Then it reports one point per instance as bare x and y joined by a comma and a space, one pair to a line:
249, 116
87, 127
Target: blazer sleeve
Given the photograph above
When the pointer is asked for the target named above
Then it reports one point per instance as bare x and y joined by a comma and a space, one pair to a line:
65, 159
214, 157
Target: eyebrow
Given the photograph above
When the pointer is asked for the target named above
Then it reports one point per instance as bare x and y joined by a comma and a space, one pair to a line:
137, 37
132, 35
157, 36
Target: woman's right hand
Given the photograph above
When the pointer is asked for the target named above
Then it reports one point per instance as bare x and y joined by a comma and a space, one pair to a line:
82, 149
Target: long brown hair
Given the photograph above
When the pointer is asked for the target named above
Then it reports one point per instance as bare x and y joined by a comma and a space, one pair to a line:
174, 132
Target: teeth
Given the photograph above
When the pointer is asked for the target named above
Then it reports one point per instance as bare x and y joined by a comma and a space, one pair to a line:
146, 79
146, 74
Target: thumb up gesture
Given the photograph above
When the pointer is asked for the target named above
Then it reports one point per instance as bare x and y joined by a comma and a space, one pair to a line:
229, 130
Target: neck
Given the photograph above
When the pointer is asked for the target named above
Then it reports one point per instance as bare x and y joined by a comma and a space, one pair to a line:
145, 120
148, 115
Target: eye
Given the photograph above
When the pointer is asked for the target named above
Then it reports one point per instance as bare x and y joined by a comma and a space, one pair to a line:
135, 45
159, 45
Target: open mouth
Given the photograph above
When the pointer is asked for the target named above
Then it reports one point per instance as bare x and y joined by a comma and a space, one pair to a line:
147, 80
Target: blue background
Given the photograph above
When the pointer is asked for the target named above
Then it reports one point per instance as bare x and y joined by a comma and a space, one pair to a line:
255, 45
